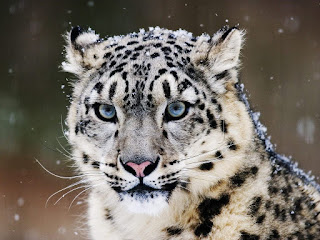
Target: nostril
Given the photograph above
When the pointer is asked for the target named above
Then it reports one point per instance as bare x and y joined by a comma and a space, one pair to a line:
139, 166
150, 168
129, 169
138, 169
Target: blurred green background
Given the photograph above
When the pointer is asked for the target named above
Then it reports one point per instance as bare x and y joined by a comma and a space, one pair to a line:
281, 71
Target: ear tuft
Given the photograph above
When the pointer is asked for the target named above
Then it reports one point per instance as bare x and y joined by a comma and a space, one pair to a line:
226, 31
79, 42
75, 32
80, 38
218, 56
221, 51
225, 51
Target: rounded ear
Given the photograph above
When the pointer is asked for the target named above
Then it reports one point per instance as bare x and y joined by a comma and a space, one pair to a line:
221, 51
218, 56
225, 51
78, 41
75, 32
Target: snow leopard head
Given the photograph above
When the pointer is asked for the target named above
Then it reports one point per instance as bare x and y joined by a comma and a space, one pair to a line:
153, 112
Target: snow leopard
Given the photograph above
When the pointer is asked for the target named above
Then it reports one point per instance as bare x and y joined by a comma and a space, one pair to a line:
162, 132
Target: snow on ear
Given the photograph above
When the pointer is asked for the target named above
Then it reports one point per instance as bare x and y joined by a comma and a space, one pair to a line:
225, 51
78, 43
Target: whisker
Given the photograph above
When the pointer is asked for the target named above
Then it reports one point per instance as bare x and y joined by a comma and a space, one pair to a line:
212, 160
65, 194
70, 186
209, 152
62, 136
65, 177
81, 193
184, 188
62, 129
184, 181
57, 150
193, 177
50, 148
197, 162
200, 155
202, 179
69, 156
215, 159
69, 153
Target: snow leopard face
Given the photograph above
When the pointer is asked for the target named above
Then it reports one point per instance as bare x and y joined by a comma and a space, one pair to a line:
147, 118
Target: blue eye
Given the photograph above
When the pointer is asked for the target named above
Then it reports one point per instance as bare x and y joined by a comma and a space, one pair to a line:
176, 110
105, 112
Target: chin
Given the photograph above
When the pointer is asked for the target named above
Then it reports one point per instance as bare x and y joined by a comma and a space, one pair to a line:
145, 200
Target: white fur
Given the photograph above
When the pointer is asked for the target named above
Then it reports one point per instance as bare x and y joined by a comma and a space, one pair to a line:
148, 215
150, 206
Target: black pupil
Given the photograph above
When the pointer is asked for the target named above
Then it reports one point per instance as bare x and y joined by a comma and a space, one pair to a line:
108, 109
176, 107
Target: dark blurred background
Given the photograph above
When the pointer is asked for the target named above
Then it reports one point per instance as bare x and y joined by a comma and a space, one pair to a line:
281, 71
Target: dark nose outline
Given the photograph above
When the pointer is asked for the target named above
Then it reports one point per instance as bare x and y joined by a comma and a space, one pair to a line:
142, 169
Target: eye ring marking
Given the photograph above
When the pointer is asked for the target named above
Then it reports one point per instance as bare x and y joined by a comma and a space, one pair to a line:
176, 110
105, 112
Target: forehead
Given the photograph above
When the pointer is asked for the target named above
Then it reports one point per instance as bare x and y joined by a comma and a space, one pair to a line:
138, 63
145, 52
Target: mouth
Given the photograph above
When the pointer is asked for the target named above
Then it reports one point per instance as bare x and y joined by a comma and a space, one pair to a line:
142, 191
143, 199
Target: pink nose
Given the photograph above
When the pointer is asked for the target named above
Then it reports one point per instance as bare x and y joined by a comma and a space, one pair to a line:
139, 168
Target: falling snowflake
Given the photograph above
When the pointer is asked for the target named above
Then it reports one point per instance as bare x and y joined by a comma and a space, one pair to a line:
306, 129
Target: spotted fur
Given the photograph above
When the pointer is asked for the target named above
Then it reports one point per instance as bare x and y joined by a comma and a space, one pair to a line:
211, 173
